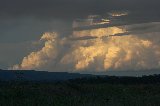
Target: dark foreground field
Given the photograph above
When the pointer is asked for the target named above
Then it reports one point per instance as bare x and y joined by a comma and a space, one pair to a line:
81, 92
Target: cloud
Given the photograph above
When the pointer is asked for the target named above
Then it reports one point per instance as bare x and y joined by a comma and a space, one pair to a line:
40, 58
23, 20
129, 41
72, 9
135, 51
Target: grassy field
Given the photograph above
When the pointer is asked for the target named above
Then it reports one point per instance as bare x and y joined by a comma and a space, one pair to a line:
78, 94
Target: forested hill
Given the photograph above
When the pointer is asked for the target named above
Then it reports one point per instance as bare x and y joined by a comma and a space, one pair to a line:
109, 77
32, 75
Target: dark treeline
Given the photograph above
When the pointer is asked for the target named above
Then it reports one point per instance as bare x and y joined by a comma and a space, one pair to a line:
84, 91
94, 79
152, 79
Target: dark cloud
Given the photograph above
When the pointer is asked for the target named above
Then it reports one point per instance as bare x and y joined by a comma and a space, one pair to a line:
83, 38
28, 29
27, 20
70, 9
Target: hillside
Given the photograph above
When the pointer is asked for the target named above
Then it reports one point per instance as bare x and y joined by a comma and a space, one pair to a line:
31, 75
93, 91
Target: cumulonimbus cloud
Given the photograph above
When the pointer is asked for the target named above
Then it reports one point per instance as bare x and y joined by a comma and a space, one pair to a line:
40, 58
99, 49
135, 51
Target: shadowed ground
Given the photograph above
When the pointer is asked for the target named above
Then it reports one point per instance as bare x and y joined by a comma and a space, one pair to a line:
76, 93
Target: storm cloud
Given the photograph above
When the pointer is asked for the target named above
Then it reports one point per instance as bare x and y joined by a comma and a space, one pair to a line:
24, 21
71, 9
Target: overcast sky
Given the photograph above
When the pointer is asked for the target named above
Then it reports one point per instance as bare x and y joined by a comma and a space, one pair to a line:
24, 21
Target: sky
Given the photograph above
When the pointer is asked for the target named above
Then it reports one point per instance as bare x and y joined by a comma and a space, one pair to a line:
80, 35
